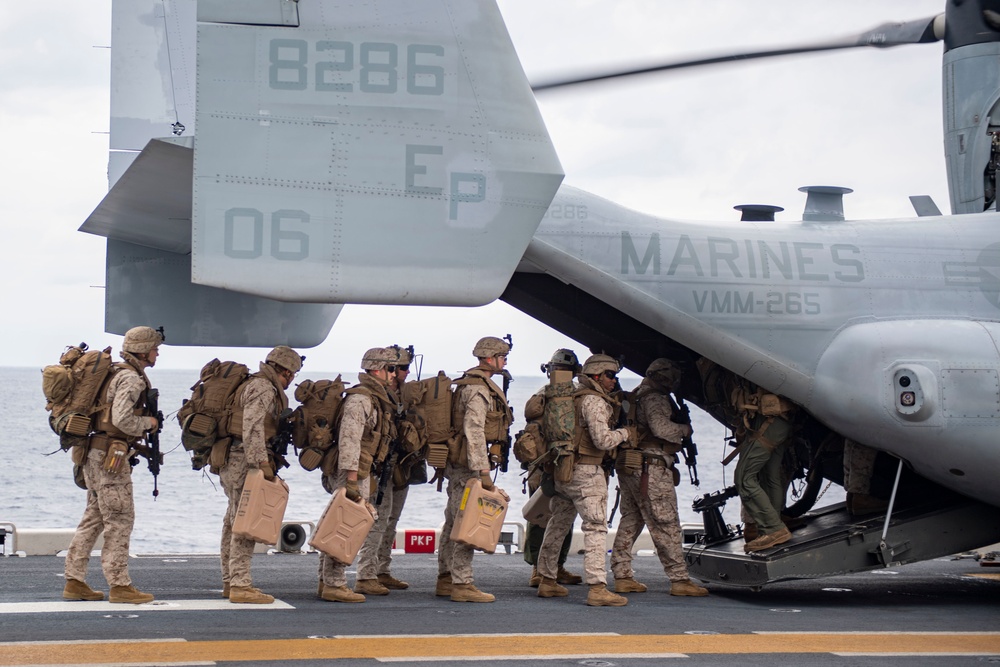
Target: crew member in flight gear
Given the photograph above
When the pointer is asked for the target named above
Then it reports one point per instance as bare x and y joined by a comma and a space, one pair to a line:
859, 466
259, 403
587, 492
648, 495
375, 556
766, 418
363, 435
562, 359
107, 471
481, 415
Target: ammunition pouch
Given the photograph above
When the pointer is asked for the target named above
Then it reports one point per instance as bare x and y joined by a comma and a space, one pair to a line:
628, 461
310, 458
198, 432
79, 454
331, 459
438, 454
219, 454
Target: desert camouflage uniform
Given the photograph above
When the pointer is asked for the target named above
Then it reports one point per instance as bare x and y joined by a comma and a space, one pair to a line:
587, 494
358, 413
110, 507
474, 402
859, 466
375, 556
658, 508
262, 398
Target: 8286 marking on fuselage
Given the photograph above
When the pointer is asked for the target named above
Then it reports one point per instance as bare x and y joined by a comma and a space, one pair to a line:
735, 302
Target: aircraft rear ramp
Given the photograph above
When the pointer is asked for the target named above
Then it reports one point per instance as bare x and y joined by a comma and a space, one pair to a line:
833, 543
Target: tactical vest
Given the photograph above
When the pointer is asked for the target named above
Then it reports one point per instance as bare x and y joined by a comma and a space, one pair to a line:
374, 440
102, 419
271, 419
752, 401
648, 441
583, 444
499, 416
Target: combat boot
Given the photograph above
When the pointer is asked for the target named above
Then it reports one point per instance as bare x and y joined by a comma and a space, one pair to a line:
687, 588
225, 590
341, 594
249, 595
550, 588
536, 578
128, 595
469, 593
600, 596
319, 589
629, 585
370, 587
444, 585
862, 504
750, 532
768, 540
392, 583
567, 578
79, 590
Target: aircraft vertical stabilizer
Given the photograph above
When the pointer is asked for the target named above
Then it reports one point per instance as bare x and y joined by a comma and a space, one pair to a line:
371, 141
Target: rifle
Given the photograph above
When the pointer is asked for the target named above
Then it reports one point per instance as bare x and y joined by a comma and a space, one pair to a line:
505, 443
688, 448
153, 436
278, 444
395, 449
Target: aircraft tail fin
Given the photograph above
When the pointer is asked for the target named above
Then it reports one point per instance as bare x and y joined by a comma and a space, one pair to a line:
379, 152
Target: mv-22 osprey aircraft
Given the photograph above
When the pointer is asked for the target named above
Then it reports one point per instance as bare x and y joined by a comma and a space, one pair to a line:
253, 182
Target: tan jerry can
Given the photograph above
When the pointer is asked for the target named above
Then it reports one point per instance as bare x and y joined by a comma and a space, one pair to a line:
343, 528
261, 509
537, 510
480, 516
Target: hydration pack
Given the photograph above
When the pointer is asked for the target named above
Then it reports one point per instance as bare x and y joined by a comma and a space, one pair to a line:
313, 421
429, 405
73, 392
205, 417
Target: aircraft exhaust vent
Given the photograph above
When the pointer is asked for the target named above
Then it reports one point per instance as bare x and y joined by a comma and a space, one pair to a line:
758, 212
824, 203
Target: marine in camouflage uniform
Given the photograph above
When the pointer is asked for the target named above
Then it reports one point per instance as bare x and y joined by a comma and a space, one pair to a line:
262, 399
365, 417
653, 503
110, 507
375, 556
587, 492
475, 400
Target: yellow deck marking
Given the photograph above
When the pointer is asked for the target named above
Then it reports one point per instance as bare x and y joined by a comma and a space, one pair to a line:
486, 647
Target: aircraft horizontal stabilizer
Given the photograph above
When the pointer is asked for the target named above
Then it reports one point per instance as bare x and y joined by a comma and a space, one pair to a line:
146, 285
336, 159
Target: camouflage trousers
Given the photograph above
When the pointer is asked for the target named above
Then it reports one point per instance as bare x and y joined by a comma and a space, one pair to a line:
859, 466
758, 477
534, 534
110, 510
235, 552
331, 571
587, 494
657, 510
376, 553
453, 557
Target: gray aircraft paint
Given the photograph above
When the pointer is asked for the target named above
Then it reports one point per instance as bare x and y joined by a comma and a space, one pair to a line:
317, 144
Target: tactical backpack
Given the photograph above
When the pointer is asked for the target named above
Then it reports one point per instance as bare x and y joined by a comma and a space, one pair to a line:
314, 419
558, 426
204, 418
430, 402
73, 392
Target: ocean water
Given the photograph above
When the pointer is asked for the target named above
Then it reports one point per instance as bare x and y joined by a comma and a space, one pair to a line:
37, 489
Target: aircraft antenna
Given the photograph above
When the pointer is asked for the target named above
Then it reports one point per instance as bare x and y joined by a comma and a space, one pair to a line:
177, 128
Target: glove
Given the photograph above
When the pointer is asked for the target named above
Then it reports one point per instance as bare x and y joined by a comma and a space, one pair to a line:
487, 482
152, 424
351, 491
687, 430
268, 471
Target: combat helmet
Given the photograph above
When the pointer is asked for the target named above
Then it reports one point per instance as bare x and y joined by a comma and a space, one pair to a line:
490, 346
140, 340
665, 372
377, 359
562, 359
285, 357
598, 363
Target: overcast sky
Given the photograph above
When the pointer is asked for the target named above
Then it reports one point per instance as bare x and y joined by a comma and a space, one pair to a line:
679, 145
